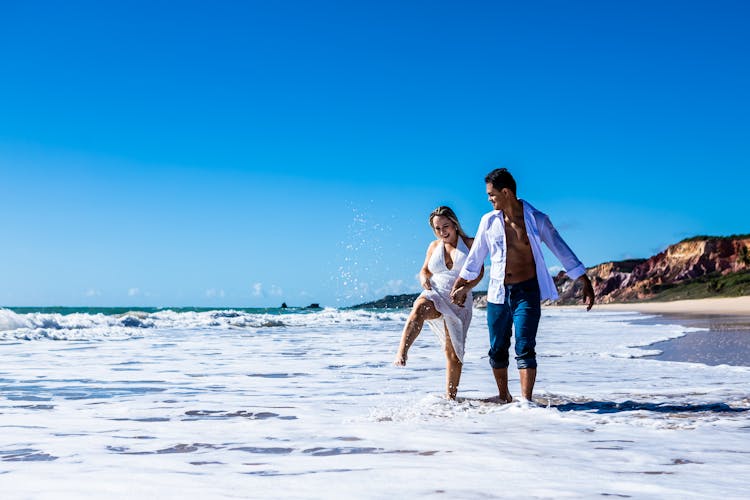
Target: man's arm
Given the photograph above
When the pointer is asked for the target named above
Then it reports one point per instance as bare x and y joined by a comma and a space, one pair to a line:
475, 281
473, 269
461, 288
573, 266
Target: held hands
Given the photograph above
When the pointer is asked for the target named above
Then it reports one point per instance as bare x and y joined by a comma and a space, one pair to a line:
458, 296
587, 292
459, 293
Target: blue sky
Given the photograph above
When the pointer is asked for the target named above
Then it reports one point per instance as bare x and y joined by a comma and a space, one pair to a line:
248, 153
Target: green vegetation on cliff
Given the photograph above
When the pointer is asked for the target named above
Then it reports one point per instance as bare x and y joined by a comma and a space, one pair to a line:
702, 237
709, 286
390, 302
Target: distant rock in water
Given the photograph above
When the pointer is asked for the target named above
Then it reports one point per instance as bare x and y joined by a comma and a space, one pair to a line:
698, 267
314, 305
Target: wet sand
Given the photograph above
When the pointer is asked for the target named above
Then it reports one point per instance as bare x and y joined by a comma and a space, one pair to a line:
727, 340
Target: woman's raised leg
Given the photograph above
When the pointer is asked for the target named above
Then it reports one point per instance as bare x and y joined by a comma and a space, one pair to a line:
423, 310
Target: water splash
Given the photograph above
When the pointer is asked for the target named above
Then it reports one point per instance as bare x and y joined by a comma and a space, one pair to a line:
360, 256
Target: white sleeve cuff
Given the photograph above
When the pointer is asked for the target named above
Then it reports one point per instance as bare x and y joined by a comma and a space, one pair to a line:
468, 275
576, 272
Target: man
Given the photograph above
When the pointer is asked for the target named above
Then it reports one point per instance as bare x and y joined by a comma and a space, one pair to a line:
519, 280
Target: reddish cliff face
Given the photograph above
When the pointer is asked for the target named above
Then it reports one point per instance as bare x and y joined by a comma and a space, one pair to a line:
682, 262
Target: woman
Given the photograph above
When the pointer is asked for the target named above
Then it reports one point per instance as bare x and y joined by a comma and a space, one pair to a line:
445, 257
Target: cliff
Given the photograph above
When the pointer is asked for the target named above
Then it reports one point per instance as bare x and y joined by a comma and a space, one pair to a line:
698, 267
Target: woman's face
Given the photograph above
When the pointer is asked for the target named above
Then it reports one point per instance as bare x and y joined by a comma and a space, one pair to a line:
444, 228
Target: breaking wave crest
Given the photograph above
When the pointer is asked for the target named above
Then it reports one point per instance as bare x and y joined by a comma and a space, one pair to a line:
88, 326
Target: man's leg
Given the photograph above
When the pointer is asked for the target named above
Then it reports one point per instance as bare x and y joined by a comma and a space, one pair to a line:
501, 379
499, 322
528, 377
526, 306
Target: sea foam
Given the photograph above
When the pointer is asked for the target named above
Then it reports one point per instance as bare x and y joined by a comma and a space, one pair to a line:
83, 326
234, 404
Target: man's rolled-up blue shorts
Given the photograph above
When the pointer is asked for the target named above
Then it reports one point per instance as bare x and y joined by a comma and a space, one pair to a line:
522, 309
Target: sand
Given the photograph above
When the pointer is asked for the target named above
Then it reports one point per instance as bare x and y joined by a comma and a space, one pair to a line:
725, 339
733, 306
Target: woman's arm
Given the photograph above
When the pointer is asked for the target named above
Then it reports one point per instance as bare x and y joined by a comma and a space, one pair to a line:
424, 273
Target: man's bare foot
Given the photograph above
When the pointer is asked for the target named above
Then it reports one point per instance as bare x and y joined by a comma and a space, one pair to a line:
400, 359
499, 399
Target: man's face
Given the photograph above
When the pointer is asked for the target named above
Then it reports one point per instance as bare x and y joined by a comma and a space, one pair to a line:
495, 197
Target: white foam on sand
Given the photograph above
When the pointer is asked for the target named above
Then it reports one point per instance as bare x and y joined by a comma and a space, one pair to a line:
217, 405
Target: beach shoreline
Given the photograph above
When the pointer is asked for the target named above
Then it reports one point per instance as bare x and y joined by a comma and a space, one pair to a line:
722, 338
730, 306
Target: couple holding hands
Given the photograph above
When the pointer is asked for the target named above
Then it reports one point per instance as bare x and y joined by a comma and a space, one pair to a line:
512, 234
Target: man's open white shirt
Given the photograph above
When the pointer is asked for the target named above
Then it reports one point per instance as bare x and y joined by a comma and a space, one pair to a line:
490, 239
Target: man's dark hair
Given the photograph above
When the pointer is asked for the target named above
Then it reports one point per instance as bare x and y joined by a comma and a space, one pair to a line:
500, 178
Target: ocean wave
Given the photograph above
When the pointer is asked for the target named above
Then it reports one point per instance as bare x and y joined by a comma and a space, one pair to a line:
11, 321
81, 325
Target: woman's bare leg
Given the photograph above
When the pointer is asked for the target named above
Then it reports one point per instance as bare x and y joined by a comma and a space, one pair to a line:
453, 367
423, 310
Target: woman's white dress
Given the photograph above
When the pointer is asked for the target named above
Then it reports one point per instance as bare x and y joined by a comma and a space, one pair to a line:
454, 319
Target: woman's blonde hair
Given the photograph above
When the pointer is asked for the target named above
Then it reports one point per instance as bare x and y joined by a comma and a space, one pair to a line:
450, 214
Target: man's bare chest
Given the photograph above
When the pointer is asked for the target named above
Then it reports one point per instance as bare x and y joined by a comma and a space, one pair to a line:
516, 237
